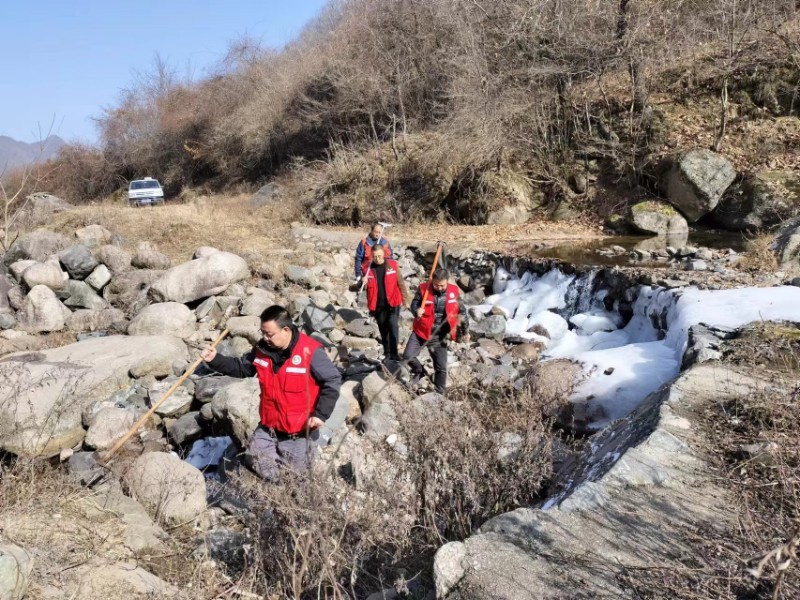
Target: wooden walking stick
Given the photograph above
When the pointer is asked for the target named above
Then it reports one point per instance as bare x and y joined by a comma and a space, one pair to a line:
433, 270
155, 406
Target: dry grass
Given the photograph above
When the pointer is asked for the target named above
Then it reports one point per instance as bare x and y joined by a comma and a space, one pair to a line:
225, 222
759, 255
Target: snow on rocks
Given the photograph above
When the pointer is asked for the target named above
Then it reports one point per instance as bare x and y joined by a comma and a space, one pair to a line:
624, 365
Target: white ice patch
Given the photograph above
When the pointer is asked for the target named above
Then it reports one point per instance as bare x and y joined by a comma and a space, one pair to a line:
208, 452
625, 365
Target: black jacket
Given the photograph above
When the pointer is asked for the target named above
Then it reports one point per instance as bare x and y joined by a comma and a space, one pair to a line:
323, 371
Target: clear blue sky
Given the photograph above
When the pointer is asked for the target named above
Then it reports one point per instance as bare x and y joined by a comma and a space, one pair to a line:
70, 58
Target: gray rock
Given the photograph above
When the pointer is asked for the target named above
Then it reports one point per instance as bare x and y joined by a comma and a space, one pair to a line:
108, 426
704, 254
79, 294
15, 571
78, 261
449, 567
206, 387
7, 320
99, 278
364, 328
317, 319
697, 265
658, 218
166, 318
257, 301
171, 490
358, 343
17, 268
44, 273
200, 278
762, 201
115, 258
177, 404
301, 276
186, 429
380, 396
246, 327
493, 326
37, 245
787, 245
235, 407
697, 181
100, 579
42, 311
6, 285
267, 195
128, 290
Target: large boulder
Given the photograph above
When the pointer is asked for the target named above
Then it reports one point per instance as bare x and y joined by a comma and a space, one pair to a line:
42, 311
128, 290
47, 391
697, 181
658, 218
380, 397
200, 278
115, 258
236, 408
169, 318
37, 245
172, 490
15, 571
45, 273
761, 202
78, 261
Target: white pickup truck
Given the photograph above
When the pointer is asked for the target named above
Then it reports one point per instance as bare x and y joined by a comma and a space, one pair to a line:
145, 192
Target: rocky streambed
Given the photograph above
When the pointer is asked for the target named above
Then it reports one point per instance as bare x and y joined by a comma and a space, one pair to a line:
622, 336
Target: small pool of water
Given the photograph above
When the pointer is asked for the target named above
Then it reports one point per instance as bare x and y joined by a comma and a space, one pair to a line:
585, 252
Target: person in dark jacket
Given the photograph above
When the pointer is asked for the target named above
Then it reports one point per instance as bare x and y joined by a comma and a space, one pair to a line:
367, 245
386, 293
440, 316
299, 388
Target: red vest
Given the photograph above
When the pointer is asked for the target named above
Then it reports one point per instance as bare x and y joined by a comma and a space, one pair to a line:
393, 295
289, 396
423, 326
368, 253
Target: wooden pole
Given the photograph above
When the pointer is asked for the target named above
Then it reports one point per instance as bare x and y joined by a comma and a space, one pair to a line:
433, 270
155, 406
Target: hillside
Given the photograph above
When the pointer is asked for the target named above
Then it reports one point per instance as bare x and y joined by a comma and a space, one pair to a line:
458, 111
15, 154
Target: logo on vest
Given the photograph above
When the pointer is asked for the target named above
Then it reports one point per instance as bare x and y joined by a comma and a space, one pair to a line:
452, 294
296, 359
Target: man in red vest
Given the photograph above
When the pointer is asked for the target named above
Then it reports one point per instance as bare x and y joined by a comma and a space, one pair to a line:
386, 293
375, 239
442, 318
299, 388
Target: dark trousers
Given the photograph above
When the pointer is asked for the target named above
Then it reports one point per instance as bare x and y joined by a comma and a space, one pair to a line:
387, 319
437, 347
269, 451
